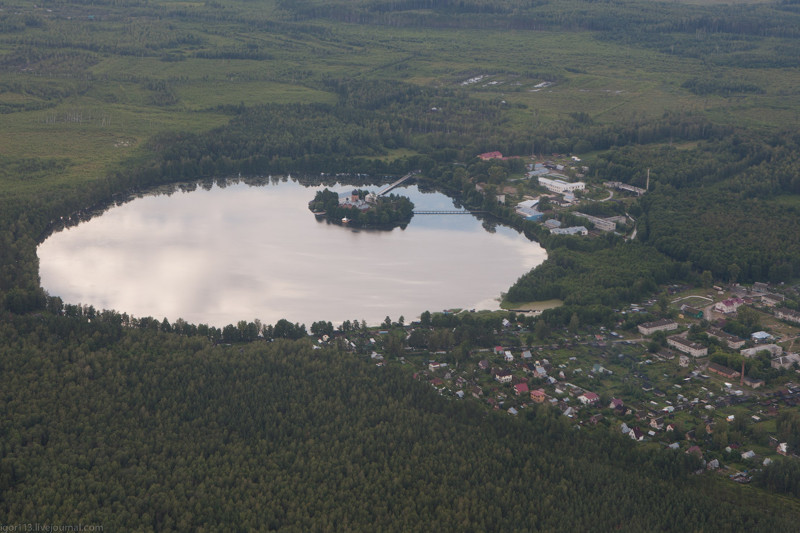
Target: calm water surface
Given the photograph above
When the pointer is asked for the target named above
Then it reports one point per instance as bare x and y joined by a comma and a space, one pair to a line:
242, 252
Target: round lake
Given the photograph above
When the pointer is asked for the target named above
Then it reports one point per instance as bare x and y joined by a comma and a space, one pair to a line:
220, 254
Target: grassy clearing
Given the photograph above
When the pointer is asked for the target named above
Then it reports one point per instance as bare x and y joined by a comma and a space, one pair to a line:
131, 77
209, 95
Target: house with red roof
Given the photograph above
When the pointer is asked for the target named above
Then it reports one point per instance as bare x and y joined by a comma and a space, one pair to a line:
588, 398
538, 395
520, 389
695, 450
490, 155
729, 306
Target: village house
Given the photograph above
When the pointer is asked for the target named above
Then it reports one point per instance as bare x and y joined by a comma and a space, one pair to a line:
728, 306
759, 286
761, 337
527, 210
686, 346
665, 324
785, 361
773, 349
732, 341
752, 382
490, 155
723, 371
588, 398
520, 389
787, 314
538, 395
692, 312
503, 376
552, 223
602, 224
572, 230
695, 450
771, 299
597, 368
560, 186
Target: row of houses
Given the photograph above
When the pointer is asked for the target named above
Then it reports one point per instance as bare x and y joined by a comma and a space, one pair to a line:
731, 341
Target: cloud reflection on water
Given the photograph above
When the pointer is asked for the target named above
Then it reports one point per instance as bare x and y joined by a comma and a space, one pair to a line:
226, 254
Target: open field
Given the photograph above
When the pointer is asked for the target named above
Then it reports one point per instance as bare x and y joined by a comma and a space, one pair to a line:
131, 77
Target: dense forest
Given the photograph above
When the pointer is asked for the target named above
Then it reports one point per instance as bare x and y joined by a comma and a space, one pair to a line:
734, 195
135, 430
149, 424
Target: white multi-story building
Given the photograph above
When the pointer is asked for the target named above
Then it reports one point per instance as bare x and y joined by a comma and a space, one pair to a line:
574, 230
561, 186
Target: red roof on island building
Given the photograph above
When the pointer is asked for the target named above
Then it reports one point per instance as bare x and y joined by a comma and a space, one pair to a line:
490, 155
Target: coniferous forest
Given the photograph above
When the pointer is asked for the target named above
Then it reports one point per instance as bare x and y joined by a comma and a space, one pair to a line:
143, 430
136, 423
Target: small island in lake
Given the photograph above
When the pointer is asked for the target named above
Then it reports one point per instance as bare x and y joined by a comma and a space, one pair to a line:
363, 209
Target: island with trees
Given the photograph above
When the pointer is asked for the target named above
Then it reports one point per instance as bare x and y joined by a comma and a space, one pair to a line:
363, 209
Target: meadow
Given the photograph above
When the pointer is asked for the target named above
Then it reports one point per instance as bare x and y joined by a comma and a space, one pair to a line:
92, 83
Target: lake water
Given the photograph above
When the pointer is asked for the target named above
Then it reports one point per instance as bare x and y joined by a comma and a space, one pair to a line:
242, 252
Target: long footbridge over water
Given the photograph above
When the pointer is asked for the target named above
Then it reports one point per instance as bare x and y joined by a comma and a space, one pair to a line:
398, 182
425, 211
